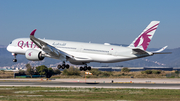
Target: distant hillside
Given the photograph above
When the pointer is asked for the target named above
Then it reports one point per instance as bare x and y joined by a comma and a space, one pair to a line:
171, 60
163, 60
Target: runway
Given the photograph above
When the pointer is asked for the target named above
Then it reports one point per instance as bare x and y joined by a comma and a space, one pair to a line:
90, 84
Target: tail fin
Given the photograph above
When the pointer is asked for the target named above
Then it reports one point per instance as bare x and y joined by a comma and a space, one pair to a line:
143, 40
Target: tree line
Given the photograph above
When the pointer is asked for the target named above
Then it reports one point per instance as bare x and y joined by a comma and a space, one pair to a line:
40, 70
48, 72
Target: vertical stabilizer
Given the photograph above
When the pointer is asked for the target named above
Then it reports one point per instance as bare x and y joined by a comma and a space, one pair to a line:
143, 40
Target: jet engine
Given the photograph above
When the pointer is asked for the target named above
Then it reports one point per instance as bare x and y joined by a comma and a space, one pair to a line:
34, 55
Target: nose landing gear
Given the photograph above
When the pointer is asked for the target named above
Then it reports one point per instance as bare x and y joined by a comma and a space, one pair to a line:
14, 54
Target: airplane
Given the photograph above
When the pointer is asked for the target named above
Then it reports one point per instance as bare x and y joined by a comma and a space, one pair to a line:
78, 53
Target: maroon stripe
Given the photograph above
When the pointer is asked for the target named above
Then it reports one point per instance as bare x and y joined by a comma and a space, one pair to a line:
149, 31
153, 26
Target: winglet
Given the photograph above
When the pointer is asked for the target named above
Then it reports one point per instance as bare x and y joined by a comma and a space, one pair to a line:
33, 32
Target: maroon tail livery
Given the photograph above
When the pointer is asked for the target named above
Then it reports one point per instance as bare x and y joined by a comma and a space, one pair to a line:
143, 40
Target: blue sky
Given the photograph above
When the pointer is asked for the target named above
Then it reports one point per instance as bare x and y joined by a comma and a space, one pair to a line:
98, 21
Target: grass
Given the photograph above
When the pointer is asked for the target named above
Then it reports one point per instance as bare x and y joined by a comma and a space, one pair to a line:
84, 94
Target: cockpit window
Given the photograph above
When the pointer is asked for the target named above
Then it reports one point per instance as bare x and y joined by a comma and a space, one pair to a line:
10, 43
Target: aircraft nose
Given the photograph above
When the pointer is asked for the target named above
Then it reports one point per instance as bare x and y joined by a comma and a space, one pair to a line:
8, 48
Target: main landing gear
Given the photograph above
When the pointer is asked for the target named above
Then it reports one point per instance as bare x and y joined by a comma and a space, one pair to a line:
85, 68
63, 66
14, 54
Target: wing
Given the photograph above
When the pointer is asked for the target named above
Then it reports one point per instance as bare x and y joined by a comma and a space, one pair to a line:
49, 50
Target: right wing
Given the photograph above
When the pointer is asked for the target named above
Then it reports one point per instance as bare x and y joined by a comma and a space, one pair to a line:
49, 50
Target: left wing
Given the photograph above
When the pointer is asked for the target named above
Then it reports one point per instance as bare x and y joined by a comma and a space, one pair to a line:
48, 49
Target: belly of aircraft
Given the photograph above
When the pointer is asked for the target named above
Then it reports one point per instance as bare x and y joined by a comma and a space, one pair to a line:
89, 57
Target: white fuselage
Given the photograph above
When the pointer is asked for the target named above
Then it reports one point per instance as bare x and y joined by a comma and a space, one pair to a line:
83, 52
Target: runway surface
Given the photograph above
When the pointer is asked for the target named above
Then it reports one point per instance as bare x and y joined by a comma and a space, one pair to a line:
90, 84
104, 80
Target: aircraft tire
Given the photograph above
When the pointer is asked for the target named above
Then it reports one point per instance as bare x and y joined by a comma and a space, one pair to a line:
59, 66
81, 68
88, 68
67, 66
85, 68
14, 60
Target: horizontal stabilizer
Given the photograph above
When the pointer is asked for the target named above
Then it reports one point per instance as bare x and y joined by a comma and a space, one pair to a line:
139, 51
160, 51
163, 53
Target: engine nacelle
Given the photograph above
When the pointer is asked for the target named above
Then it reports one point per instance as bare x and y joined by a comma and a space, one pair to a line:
34, 55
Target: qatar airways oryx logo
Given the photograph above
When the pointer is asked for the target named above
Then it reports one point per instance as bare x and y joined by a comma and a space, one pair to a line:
27, 44
29, 53
144, 39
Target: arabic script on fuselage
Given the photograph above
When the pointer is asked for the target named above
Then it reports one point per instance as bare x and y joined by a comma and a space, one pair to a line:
59, 44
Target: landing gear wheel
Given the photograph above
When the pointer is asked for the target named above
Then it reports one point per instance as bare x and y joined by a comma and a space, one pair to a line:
67, 66
14, 60
81, 68
63, 66
85, 68
88, 68
59, 66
